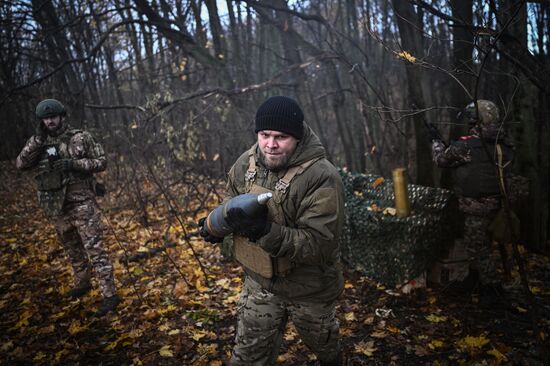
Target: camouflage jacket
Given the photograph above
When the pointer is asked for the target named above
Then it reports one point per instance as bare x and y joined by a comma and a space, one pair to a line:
88, 158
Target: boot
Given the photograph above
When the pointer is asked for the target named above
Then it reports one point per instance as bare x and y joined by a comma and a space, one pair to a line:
109, 304
79, 291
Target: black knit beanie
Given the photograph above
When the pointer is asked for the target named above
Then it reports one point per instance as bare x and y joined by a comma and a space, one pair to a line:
281, 114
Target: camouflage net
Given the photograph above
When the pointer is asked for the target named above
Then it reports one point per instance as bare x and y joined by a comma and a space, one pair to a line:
387, 248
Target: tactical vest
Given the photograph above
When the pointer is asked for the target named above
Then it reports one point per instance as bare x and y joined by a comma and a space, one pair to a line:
52, 184
249, 254
479, 178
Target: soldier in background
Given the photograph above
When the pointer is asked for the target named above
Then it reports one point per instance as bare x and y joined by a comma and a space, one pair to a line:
65, 160
473, 160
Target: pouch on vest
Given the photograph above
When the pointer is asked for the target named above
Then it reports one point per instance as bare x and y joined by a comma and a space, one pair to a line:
49, 180
51, 184
253, 257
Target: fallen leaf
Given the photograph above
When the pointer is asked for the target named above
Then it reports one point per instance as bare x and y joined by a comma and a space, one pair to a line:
232, 299
23, 319
115, 343
350, 317
165, 351
39, 356
377, 182
520, 309
223, 283
379, 334
167, 309
75, 327
435, 344
473, 342
200, 287
60, 354
436, 318
365, 348
207, 349
198, 335
369, 320
389, 211
496, 354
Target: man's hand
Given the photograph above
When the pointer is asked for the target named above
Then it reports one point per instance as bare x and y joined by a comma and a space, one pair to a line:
63, 165
206, 235
41, 131
251, 227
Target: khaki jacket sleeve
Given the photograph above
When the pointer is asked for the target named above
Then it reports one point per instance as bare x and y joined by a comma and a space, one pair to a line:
319, 220
88, 154
230, 187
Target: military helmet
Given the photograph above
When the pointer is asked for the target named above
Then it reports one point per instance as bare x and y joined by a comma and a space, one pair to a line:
50, 108
488, 113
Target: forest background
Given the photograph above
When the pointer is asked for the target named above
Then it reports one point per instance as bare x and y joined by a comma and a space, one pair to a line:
171, 87
174, 85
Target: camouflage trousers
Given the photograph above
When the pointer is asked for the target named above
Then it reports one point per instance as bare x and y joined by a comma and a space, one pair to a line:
263, 317
79, 230
478, 216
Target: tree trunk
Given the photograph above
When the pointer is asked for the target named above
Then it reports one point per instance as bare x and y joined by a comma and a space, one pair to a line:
412, 43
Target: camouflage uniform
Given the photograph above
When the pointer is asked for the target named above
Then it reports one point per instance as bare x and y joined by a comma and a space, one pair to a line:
262, 321
477, 190
74, 210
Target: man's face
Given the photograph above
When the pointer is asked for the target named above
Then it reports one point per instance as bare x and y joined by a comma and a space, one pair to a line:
276, 148
52, 123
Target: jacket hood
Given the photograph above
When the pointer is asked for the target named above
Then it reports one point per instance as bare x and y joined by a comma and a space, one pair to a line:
309, 147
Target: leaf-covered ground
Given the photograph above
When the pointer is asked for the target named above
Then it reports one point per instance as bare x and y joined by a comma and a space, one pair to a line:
172, 315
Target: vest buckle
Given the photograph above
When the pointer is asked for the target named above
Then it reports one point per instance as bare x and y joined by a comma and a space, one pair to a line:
281, 186
250, 175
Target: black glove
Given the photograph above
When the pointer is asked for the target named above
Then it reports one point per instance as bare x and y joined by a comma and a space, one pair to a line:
41, 131
63, 165
251, 227
206, 235
433, 132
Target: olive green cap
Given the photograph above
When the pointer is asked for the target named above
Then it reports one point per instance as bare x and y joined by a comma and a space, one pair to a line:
50, 108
